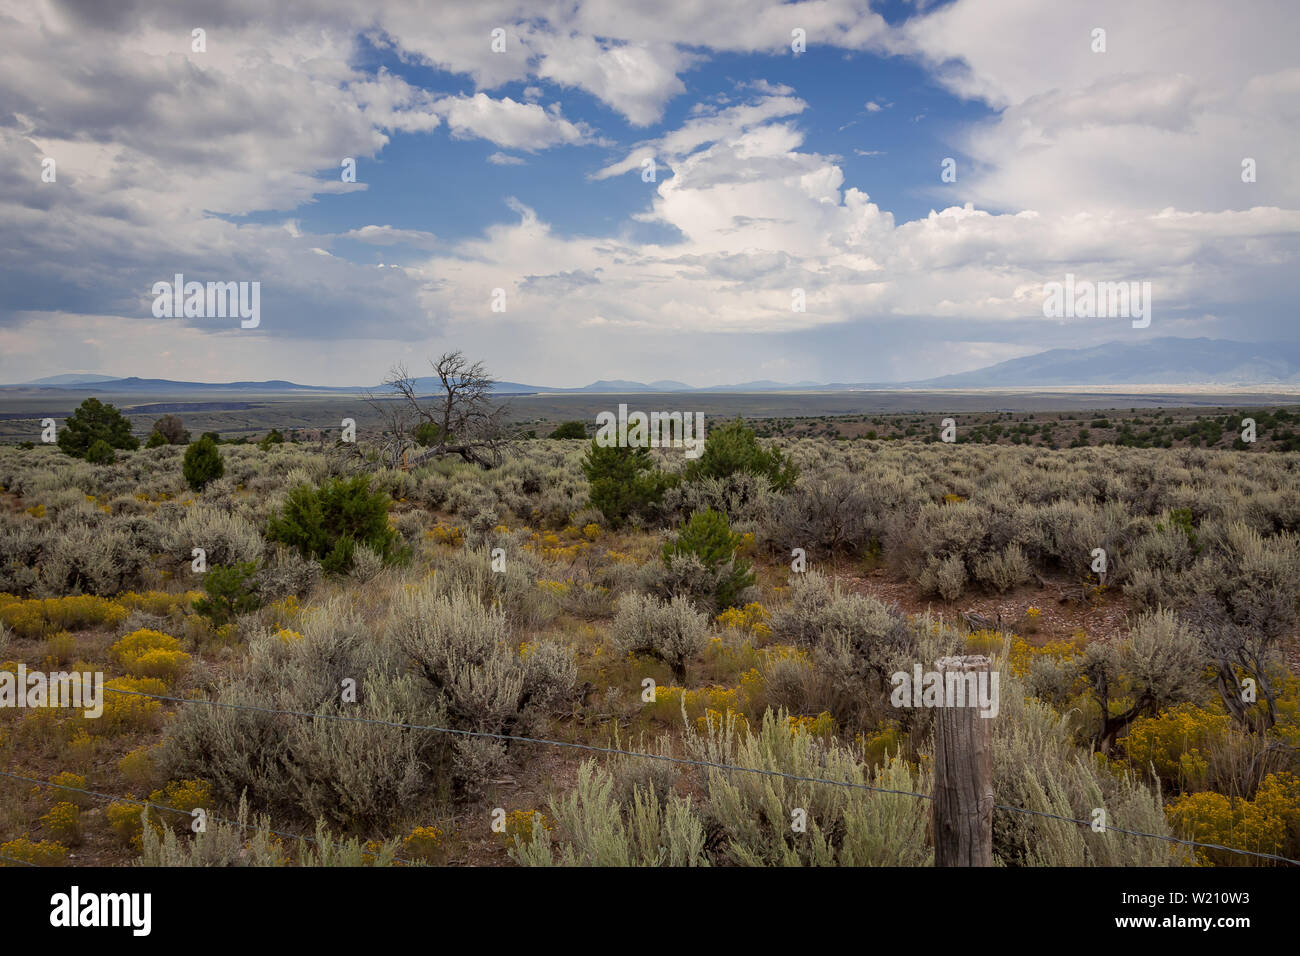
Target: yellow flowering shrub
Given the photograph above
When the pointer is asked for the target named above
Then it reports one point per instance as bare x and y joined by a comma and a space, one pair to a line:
138, 766
182, 796
1022, 654
712, 717
823, 725
725, 657
519, 825
126, 712
554, 588
288, 635
147, 653
446, 534
1175, 743
63, 822
752, 619
37, 617
45, 853
1268, 824
124, 819
1286, 706
82, 747
424, 843
591, 531
667, 705
551, 548
879, 745
69, 779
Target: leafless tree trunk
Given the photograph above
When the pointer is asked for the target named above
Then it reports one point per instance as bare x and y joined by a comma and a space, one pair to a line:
465, 421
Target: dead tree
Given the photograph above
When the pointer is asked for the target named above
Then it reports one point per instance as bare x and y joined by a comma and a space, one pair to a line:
458, 418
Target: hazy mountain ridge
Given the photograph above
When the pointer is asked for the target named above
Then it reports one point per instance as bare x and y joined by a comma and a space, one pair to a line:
1160, 361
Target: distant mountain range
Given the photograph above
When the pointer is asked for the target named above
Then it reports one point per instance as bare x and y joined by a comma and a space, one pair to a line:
1161, 361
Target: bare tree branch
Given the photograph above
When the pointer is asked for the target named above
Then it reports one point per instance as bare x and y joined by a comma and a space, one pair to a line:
459, 418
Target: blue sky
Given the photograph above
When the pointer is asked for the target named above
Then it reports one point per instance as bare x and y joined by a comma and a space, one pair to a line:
514, 178
434, 182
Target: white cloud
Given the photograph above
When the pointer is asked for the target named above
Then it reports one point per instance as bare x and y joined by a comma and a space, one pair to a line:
1163, 118
390, 236
507, 123
1122, 165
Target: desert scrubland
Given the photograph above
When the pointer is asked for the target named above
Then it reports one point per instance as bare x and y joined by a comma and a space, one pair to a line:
768, 589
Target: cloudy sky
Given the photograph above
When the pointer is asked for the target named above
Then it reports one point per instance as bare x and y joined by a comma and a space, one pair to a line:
507, 146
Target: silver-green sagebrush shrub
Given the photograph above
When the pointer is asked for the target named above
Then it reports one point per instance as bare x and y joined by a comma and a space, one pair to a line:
90, 560
350, 773
1037, 768
1158, 664
226, 538
741, 496
671, 631
743, 819
514, 590
823, 515
599, 830
467, 658
752, 815
286, 573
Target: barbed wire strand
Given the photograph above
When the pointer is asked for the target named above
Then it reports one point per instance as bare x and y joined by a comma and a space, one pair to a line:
1156, 836
515, 737
11, 859
160, 806
683, 760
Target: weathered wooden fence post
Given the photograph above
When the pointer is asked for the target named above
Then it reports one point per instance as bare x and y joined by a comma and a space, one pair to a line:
963, 773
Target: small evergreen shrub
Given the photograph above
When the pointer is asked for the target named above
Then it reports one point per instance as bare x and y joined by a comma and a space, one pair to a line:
570, 430
231, 591
733, 447
94, 421
624, 482
100, 453
328, 522
202, 463
708, 537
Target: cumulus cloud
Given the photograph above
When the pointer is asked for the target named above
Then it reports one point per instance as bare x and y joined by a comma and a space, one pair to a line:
1163, 118
507, 123
1115, 166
